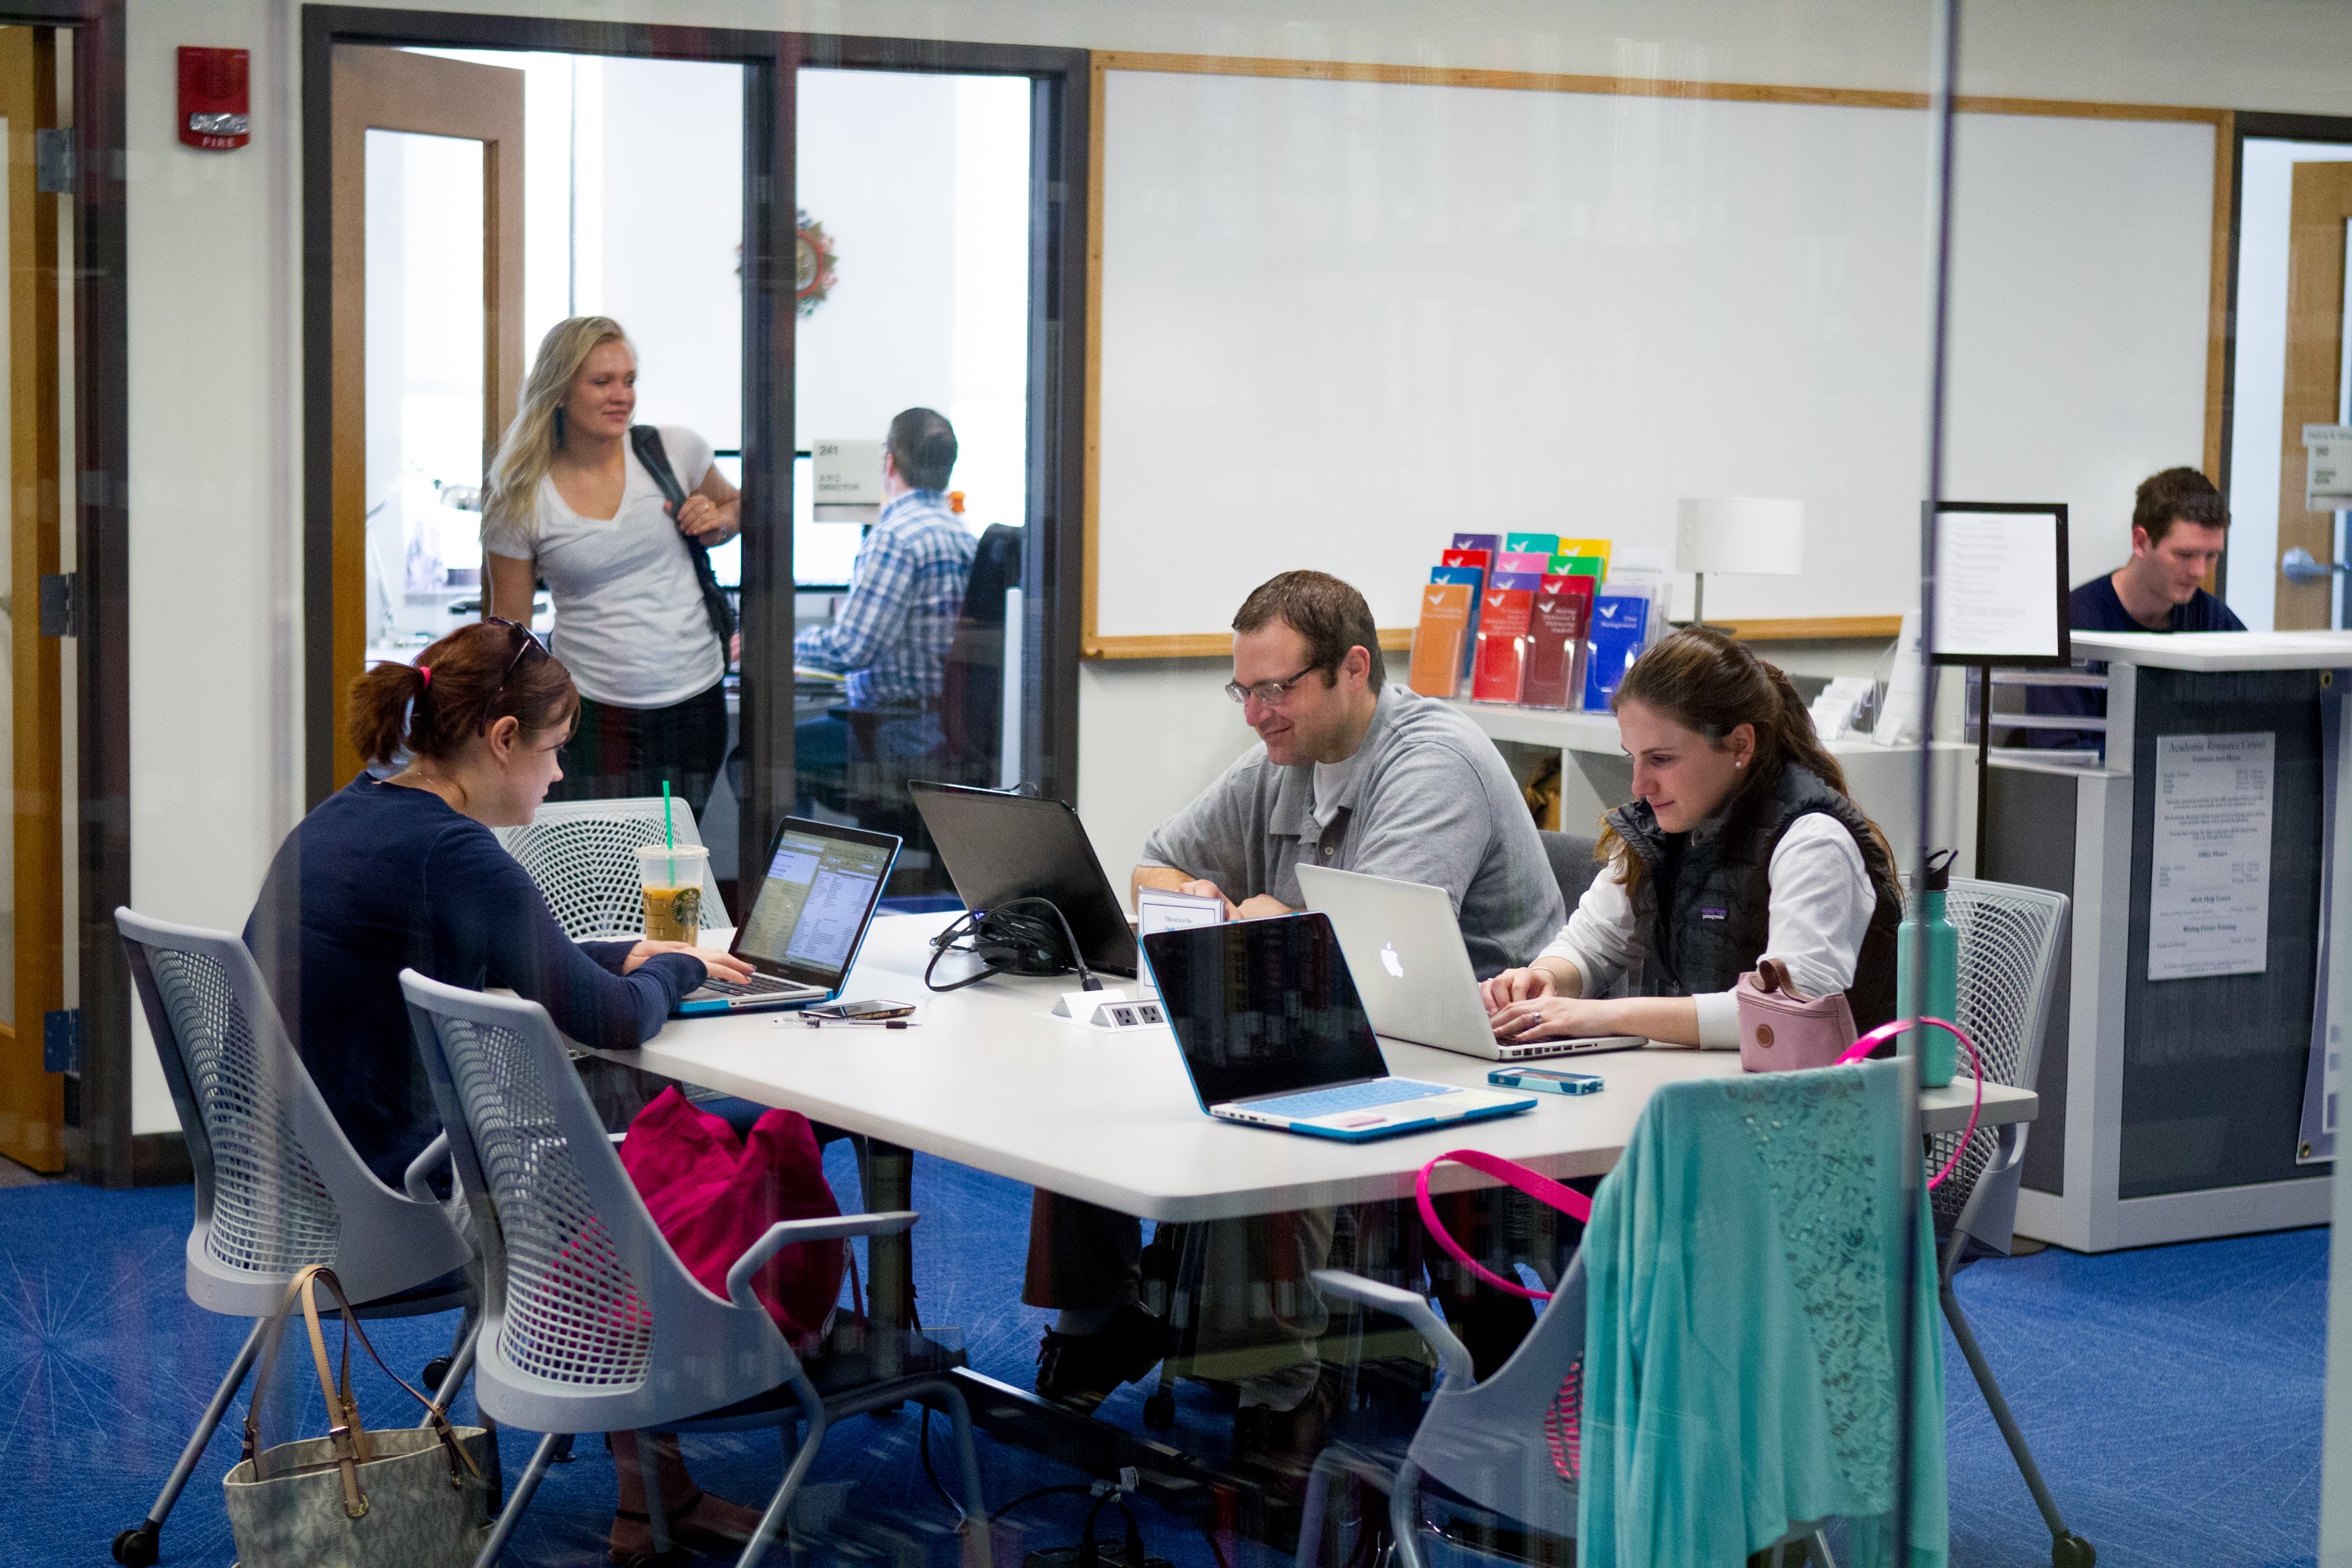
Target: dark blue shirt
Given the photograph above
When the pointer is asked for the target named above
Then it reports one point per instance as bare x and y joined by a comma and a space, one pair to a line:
382, 877
2096, 607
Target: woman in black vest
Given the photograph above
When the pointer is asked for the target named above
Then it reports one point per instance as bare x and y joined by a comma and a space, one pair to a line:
1740, 843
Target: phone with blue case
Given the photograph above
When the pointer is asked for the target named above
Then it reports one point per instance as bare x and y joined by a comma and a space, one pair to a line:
1550, 1081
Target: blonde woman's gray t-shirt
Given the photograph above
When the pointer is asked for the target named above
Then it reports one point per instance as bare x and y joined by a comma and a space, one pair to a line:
630, 624
1425, 798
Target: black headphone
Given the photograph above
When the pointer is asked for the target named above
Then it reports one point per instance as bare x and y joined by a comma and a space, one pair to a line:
1013, 939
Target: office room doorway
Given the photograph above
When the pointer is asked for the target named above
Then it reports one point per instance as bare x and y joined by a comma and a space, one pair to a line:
659, 172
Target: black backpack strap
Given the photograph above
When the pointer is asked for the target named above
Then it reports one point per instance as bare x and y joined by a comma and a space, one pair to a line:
647, 443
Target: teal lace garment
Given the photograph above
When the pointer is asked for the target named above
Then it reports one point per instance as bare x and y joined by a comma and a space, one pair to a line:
1745, 1268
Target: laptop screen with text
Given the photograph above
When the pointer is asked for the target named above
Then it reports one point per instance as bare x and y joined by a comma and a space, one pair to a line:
1262, 1007
822, 885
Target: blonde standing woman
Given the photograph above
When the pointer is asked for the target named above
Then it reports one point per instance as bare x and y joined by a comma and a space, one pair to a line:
570, 503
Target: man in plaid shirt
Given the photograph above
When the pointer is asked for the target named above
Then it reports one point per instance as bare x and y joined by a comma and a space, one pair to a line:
906, 590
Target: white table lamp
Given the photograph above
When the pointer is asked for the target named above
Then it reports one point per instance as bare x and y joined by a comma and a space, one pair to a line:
1736, 533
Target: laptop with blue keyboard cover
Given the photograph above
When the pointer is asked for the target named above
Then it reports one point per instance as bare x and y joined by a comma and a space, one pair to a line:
807, 922
1274, 1034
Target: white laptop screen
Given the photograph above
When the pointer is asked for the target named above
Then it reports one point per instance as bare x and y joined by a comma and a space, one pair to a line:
821, 889
1262, 1007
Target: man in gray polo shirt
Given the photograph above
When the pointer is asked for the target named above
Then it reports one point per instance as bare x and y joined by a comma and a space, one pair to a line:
1349, 773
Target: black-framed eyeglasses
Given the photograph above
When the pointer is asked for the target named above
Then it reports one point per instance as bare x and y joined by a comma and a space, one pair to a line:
523, 645
1270, 693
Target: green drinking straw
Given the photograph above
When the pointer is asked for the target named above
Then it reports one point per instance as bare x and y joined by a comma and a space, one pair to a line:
669, 832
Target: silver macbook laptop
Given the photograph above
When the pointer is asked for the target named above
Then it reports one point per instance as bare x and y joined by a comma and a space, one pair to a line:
1273, 1034
807, 922
1404, 947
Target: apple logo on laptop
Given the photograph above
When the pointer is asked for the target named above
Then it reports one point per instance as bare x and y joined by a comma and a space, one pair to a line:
1389, 960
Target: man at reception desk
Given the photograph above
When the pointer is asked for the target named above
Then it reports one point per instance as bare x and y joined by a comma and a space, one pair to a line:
2179, 525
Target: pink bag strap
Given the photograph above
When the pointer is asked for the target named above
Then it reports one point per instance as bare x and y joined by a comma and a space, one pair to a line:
1543, 1189
1575, 1204
1884, 1032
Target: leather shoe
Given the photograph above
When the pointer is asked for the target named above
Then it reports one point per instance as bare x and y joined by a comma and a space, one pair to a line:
1083, 1370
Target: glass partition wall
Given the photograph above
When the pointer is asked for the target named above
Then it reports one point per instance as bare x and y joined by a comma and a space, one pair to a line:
1109, 340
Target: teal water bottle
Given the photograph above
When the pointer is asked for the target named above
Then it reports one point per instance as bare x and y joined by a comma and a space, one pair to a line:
1939, 946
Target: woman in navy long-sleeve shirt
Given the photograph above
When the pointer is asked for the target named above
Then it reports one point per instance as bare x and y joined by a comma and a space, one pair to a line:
405, 873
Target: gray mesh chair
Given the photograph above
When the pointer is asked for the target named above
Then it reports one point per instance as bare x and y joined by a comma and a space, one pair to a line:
1486, 1452
584, 856
279, 1186
1572, 865
2009, 962
590, 1323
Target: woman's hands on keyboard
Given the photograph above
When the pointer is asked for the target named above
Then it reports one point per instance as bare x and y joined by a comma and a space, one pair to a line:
723, 965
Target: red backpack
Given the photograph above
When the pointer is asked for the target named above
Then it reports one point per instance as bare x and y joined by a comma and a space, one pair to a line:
714, 1196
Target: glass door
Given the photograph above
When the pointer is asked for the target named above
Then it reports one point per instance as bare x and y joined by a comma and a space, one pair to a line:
427, 225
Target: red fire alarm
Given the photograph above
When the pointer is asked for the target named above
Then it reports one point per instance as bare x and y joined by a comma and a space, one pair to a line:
212, 98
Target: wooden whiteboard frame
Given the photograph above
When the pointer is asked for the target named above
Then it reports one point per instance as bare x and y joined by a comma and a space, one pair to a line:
1201, 645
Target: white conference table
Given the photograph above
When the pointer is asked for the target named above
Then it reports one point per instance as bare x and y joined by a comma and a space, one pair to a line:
987, 1077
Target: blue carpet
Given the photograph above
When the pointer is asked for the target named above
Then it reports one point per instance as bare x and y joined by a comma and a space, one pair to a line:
2173, 1397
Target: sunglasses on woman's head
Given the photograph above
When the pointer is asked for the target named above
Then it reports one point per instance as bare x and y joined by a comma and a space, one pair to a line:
524, 642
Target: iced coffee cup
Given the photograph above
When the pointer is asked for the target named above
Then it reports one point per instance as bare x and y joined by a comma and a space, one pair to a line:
672, 879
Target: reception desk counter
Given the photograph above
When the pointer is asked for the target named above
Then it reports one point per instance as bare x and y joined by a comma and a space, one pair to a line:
2198, 858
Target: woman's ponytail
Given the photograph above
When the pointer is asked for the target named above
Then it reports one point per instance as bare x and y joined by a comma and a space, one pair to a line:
379, 713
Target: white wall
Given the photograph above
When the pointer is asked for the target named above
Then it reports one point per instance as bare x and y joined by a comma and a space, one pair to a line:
215, 357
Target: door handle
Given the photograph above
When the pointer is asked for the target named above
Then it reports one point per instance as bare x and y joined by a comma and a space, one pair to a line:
2299, 565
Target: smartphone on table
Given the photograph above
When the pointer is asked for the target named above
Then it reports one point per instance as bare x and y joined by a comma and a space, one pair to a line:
871, 1011
1550, 1080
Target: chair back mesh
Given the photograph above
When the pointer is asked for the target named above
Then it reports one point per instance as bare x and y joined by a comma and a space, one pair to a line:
2009, 958
573, 1311
584, 856
270, 1213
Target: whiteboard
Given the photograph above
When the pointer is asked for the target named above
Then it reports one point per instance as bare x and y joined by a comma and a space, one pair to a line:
1343, 321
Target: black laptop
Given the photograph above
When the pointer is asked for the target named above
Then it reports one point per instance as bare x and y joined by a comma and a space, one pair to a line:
999, 846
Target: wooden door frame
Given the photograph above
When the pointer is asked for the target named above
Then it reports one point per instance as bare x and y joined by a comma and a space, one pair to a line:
32, 1096
1053, 542
385, 89
2266, 127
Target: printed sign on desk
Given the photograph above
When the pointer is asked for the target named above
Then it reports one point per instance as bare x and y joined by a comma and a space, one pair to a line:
2209, 887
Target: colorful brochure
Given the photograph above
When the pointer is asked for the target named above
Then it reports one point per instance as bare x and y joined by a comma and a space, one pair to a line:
1525, 581
1492, 543
1555, 634
1532, 544
1532, 562
1475, 579
1595, 566
1483, 560
1503, 616
1599, 547
1619, 627
1442, 638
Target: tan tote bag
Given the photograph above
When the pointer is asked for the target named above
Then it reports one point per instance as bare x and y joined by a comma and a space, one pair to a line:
415, 1497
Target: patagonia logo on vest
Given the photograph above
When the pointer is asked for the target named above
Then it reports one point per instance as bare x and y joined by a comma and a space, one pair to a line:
1713, 913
